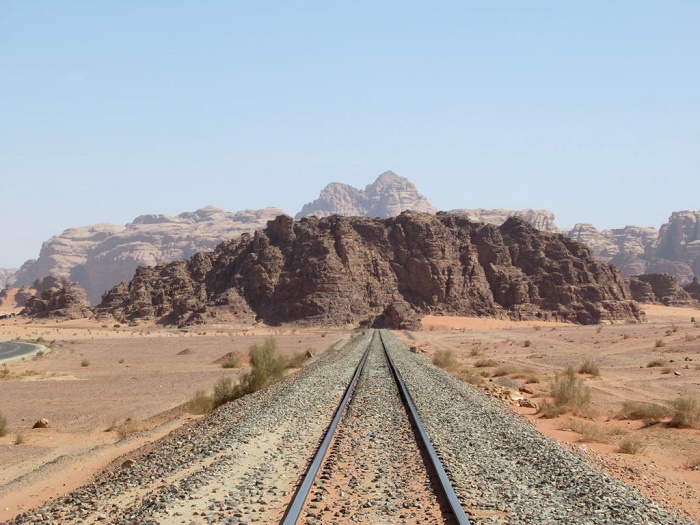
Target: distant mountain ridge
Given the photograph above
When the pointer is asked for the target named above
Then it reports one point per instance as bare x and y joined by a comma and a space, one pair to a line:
100, 256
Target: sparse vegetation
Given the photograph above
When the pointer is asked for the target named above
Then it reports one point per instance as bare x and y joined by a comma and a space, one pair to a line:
186, 351
297, 360
666, 370
476, 351
537, 328
693, 463
589, 431
656, 363
527, 343
631, 445
690, 337
19, 438
85, 363
225, 390
3, 426
468, 376
568, 393
589, 367
650, 413
686, 413
201, 403
625, 336
232, 361
660, 343
445, 360
130, 426
121, 361
505, 370
484, 363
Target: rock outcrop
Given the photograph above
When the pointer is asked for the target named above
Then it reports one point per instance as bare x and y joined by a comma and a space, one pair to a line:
6, 276
541, 219
388, 196
57, 297
660, 288
98, 257
371, 272
693, 288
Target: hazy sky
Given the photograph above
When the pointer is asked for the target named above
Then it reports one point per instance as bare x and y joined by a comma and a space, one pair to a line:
113, 109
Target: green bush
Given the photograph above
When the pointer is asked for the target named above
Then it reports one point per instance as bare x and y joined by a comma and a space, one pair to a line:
225, 390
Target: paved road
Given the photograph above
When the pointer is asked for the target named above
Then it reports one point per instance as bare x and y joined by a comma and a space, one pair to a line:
12, 350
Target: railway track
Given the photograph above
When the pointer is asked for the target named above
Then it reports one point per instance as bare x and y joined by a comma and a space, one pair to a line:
376, 462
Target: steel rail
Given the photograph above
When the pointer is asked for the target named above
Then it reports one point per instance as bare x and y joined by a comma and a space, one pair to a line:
294, 510
445, 484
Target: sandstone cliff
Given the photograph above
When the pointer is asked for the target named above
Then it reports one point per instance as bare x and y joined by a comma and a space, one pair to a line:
541, 219
360, 271
388, 196
6, 276
100, 256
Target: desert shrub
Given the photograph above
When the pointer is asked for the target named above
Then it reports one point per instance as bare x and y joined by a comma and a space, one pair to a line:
233, 361
121, 361
186, 351
267, 366
589, 431
476, 351
656, 363
128, 427
226, 390
445, 359
589, 367
19, 438
505, 370
625, 336
470, 377
117, 325
201, 403
568, 393
297, 360
85, 362
689, 337
4, 373
484, 363
537, 328
531, 378
3, 426
631, 445
660, 343
527, 343
666, 370
650, 413
686, 413
693, 463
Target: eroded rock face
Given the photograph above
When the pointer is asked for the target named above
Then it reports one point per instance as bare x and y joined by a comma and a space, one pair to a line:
541, 219
6, 276
660, 288
693, 288
351, 270
57, 297
98, 257
388, 196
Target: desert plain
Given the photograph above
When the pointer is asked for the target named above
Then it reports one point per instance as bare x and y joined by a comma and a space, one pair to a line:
107, 389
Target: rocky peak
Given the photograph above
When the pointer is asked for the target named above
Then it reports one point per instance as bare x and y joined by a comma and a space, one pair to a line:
660, 288
387, 196
57, 297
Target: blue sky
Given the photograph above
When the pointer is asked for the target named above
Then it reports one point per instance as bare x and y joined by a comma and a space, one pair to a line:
109, 110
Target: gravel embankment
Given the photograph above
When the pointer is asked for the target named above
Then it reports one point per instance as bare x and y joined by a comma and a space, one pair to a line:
237, 465
375, 472
503, 470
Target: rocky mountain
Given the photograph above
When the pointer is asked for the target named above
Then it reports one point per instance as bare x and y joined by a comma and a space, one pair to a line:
6, 276
660, 288
388, 196
100, 256
382, 272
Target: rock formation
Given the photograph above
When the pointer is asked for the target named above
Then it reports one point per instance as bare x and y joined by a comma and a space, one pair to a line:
660, 288
360, 271
98, 257
388, 196
693, 288
541, 219
57, 298
6, 276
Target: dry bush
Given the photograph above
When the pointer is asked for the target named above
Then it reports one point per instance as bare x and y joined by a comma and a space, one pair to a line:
225, 390
445, 360
693, 463
19, 438
568, 393
5, 373
201, 403
631, 445
267, 366
531, 378
650, 413
476, 351
85, 362
589, 367
186, 351
130, 426
589, 431
233, 361
297, 360
666, 370
483, 363
505, 370
686, 413
690, 338
656, 363
527, 343
3, 426
470, 377
660, 343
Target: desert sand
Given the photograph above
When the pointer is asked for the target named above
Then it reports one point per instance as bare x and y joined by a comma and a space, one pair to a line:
95, 376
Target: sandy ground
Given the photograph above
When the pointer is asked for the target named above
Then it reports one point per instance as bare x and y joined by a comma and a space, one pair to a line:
538, 350
95, 376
